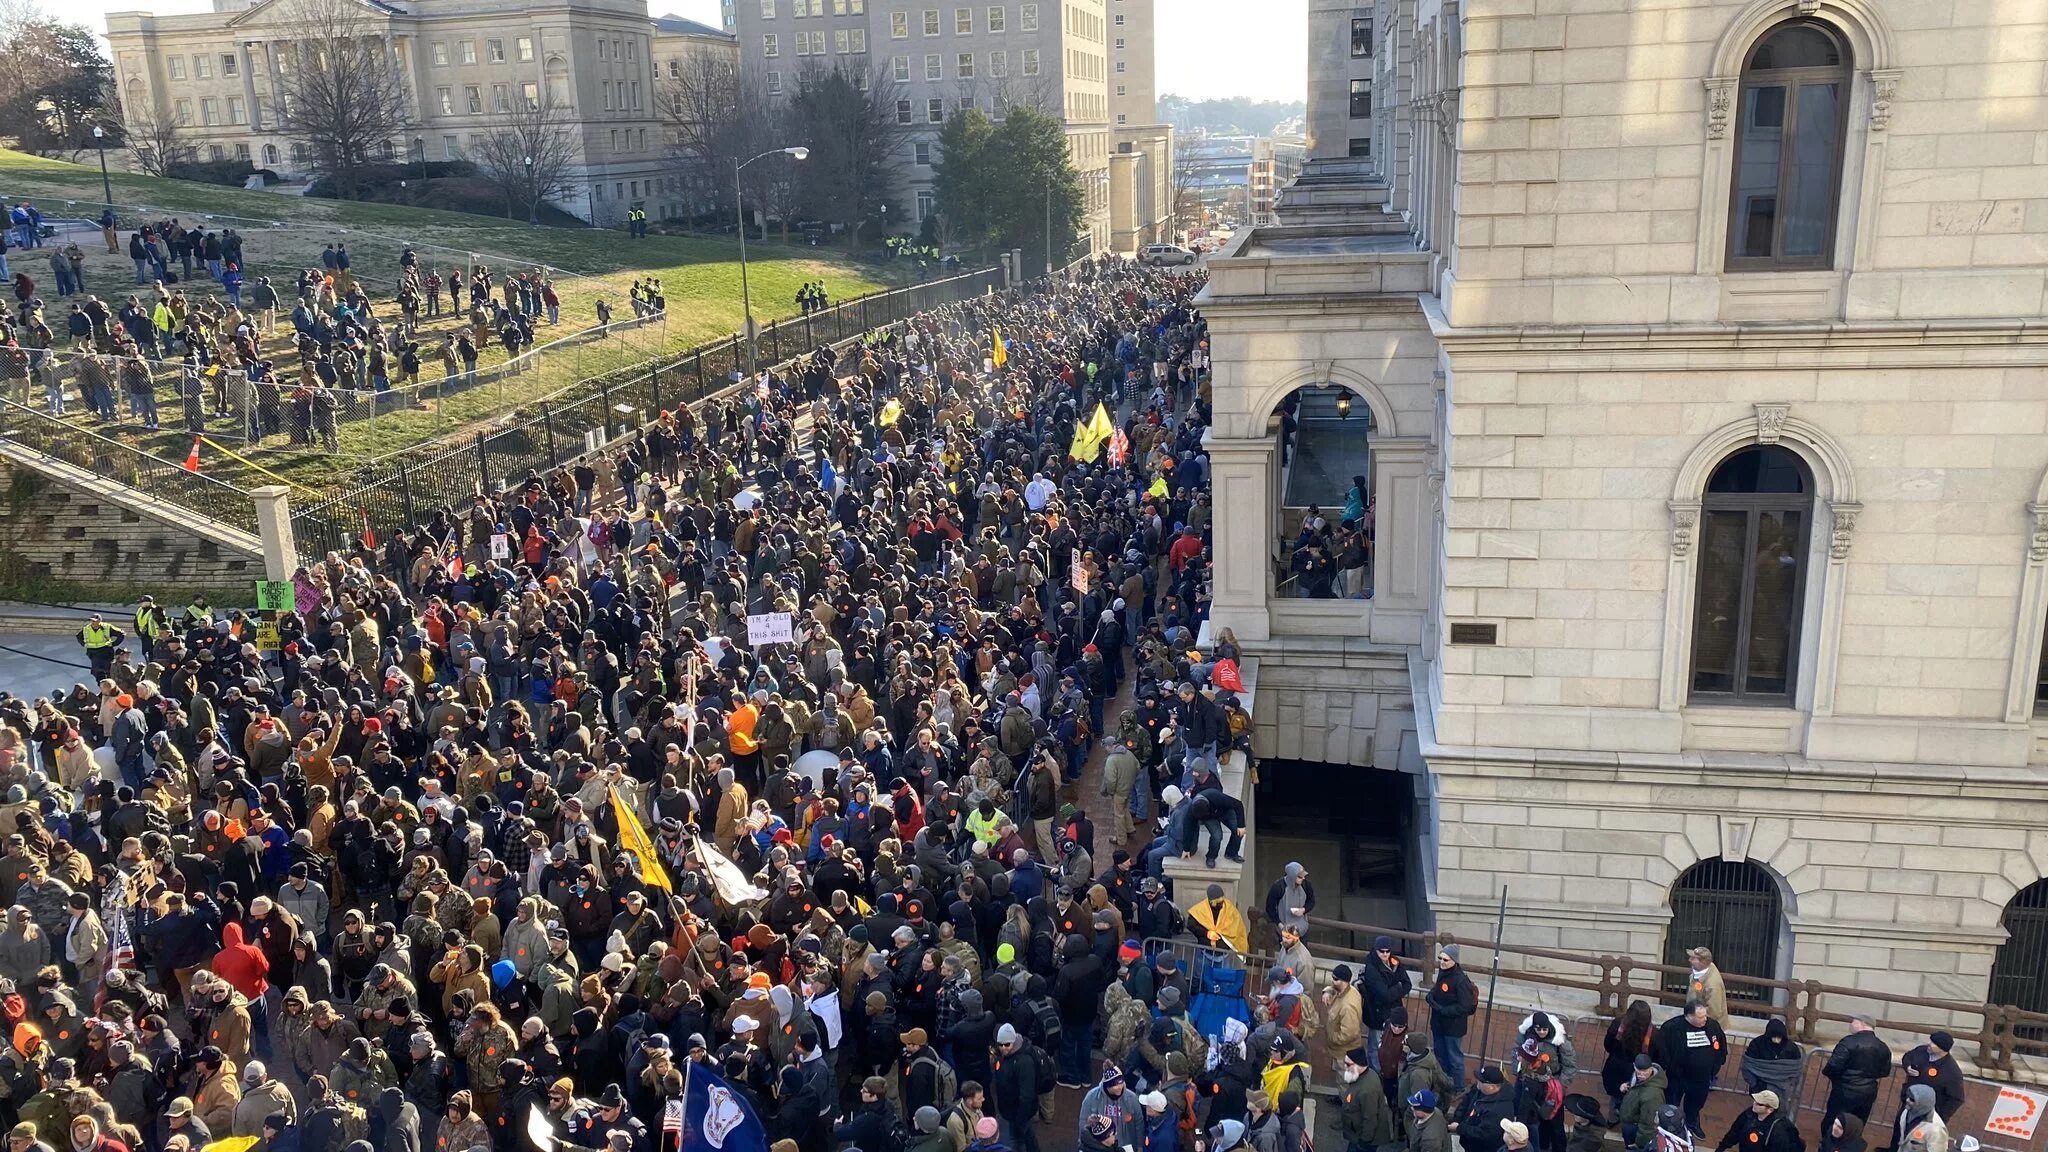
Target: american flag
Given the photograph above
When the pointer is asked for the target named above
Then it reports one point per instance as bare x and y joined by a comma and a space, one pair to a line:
114, 918
1119, 448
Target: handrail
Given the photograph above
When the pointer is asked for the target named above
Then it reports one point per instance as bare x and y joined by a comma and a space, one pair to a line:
152, 476
1801, 1002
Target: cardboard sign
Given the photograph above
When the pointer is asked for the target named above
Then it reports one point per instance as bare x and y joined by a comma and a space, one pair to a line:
267, 638
2016, 1112
769, 628
501, 546
275, 596
1077, 574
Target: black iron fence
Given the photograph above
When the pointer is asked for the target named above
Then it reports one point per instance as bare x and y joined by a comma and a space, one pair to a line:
26, 429
406, 491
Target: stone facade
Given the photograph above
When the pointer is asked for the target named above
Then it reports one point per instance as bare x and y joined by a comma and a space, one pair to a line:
62, 527
1560, 176
218, 75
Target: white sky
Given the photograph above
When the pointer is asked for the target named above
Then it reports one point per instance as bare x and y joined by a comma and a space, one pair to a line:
1207, 48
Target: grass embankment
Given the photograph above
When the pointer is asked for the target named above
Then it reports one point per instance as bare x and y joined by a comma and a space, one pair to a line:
282, 234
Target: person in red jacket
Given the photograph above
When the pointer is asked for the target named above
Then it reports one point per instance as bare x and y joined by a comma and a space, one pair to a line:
247, 970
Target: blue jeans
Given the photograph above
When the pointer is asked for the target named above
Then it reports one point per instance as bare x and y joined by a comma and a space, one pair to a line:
1450, 1052
213, 269
141, 275
1076, 1046
259, 1027
144, 404
1214, 837
1156, 854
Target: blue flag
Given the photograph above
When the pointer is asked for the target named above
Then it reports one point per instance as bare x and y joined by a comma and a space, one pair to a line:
827, 478
715, 1118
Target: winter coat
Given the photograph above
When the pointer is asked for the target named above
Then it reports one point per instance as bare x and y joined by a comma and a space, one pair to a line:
1452, 1001
1641, 1101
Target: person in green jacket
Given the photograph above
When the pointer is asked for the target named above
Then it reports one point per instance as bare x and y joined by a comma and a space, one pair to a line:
1641, 1099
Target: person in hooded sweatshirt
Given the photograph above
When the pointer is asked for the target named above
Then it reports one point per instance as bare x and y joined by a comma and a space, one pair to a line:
1773, 1060
395, 1123
1920, 1128
247, 970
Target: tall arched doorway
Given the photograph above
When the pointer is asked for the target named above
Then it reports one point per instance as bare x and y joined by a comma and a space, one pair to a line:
1731, 907
1326, 513
2019, 973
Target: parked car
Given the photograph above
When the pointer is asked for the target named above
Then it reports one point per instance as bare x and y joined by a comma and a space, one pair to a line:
1159, 255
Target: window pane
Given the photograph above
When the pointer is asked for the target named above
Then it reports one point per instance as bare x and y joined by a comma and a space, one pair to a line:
1773, 611
1810, 187
1724, 538
1796, 46
1756, 182
1762, 469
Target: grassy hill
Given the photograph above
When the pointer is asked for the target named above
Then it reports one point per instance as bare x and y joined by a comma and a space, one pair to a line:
283, 234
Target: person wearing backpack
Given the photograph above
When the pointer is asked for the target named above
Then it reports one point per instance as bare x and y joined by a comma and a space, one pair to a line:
927, 1082
965, 1113
1022, 1074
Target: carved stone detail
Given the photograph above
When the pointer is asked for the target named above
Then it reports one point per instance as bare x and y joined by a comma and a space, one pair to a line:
1770, 422
2037, 541
1884, 88
1685, 520
1844, 529
1720, 101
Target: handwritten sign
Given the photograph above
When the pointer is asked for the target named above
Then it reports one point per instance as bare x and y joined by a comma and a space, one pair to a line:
769, 628
501, 546
275, 596
266, 637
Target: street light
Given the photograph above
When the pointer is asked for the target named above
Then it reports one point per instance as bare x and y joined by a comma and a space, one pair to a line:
532, 201
740, 208
99, 140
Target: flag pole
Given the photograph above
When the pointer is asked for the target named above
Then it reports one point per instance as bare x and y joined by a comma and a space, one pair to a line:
1500, 924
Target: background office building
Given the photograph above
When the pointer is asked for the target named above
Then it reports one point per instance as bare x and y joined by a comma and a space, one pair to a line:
463, 63
934, 58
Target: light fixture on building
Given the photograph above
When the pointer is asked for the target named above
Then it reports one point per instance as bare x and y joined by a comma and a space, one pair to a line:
1343, 405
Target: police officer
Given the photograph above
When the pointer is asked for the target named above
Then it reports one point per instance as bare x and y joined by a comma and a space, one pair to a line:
100, 640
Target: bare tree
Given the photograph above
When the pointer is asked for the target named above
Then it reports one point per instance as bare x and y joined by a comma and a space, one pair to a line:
341, 92
529, 153
714, 118
1185, 187
848, 120
156, 137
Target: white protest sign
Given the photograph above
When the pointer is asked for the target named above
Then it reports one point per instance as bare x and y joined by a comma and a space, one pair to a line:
501, 546
2016, 1112
769, 628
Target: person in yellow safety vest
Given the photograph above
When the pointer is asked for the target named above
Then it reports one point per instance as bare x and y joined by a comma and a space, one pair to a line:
151, 623
198, 613
100, 640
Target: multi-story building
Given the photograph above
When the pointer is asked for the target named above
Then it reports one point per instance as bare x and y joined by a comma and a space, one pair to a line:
935, 57
1341, 75
463, 63
1141, 171
1692, 359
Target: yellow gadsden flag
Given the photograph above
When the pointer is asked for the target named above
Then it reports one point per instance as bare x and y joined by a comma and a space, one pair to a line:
1000, 355
633, 838
1090, 437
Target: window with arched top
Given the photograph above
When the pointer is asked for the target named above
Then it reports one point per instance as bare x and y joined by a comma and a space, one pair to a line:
1792, 116
1755, 521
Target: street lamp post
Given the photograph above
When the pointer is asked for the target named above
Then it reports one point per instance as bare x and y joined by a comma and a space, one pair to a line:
532, 201
99, 140
740, 216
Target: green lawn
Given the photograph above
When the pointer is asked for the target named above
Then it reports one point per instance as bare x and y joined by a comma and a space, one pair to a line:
282, 234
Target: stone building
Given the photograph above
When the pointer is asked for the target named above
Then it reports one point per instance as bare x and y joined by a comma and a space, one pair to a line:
218, 75
1693, 356
1087, 62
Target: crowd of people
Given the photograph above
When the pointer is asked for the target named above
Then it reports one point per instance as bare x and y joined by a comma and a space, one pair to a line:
518, 821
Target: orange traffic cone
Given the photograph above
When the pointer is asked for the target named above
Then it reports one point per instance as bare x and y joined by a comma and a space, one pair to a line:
192, 457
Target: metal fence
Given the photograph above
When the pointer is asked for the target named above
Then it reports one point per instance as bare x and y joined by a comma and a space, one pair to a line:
1492, 1035
406, 490
154, 477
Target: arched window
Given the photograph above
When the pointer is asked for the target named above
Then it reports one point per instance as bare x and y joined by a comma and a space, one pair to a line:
1792, 115
1732, 909
270, 154
2019, 973
1754, 525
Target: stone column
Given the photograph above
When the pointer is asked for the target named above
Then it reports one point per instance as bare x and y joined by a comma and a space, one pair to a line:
1403, 551
1241, 480
274, 526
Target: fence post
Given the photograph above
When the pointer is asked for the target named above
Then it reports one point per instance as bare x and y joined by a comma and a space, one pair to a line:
405, 494
654, 389
547, 422
698, 358
604, 391
483, 466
